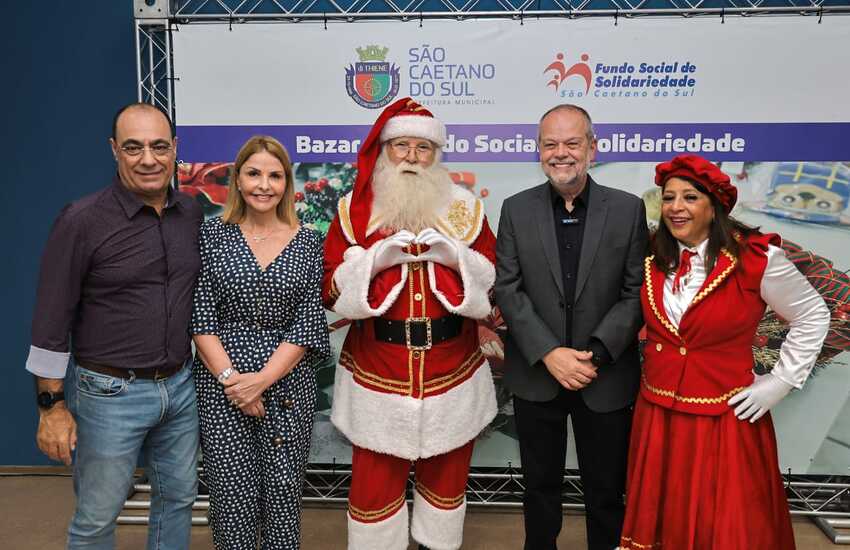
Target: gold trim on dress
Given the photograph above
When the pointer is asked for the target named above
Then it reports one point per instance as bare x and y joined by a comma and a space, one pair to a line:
631, 543
719, 279
698, 400
650, 294
650, 289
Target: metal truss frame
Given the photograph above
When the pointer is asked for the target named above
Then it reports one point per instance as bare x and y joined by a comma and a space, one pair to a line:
825, 498
157, 19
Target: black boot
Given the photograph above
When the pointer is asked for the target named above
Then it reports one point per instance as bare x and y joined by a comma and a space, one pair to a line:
423, 547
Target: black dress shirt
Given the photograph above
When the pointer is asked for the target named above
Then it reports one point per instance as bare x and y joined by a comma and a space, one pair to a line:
569, 232
116, 283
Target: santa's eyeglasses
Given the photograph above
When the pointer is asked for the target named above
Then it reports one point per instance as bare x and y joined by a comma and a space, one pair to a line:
421, 150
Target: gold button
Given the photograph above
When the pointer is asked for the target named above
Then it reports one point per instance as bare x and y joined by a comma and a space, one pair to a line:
417, 296
417, 354
658, 346
415, 265
683, 351
288, 403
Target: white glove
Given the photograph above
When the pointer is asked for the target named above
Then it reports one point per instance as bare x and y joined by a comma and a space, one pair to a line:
390, 253
765, 392
442, 249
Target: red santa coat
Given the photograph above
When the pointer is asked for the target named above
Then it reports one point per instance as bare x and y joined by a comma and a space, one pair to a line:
697, 368
391, 399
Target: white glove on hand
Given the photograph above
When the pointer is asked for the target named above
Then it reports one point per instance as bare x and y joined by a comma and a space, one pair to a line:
442, 249
765, 392
390, 253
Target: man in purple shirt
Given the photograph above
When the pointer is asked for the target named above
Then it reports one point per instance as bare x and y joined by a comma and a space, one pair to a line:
114, 298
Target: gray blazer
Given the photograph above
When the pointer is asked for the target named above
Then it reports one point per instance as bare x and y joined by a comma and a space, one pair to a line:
529, 291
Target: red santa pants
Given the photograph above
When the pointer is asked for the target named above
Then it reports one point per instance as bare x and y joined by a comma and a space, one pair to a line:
377, 511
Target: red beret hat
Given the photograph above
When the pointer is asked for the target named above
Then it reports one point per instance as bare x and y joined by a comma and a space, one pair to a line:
701, 171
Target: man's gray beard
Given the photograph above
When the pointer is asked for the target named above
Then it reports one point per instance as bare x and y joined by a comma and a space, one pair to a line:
410, 201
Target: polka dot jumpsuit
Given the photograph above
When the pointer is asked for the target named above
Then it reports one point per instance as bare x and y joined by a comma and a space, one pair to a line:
255, 466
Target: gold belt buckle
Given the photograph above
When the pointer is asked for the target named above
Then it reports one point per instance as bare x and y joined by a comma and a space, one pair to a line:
428, 340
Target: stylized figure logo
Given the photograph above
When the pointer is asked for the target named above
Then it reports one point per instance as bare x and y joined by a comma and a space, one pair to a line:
562, 73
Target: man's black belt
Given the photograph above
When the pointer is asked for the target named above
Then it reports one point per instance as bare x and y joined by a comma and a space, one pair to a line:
418, 333
160, 373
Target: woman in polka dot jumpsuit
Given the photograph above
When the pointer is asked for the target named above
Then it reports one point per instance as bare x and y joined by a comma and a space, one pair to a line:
258, 326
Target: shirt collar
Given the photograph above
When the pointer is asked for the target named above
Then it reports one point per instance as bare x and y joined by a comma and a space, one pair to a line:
131, 204
698, 249
580, 200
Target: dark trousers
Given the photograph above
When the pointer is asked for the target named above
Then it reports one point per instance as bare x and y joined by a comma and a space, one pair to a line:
602, 441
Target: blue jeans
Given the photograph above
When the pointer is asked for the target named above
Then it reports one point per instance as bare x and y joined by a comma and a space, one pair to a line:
116, 420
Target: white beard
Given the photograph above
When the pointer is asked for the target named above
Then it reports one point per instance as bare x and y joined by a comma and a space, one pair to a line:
408, 196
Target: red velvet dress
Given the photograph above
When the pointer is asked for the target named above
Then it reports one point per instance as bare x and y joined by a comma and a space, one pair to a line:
699, 478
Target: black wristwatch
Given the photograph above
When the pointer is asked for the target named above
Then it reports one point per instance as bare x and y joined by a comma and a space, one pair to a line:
47, 399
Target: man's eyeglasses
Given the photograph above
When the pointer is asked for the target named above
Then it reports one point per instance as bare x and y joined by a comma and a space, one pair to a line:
157, 149
422, 150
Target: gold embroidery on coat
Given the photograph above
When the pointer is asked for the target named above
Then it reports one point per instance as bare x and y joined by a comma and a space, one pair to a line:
459, 216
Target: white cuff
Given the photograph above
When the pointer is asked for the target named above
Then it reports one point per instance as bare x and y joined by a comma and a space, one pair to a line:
389, 534
434, 527
48, 364
353, 278
477, 274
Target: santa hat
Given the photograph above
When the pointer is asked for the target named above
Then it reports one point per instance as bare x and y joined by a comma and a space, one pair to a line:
404, 118
702, 171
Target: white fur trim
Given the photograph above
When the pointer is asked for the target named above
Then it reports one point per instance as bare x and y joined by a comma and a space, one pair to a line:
451, 419
434, 527
418, 126
477, 274
389, 534
353, 277
412, 428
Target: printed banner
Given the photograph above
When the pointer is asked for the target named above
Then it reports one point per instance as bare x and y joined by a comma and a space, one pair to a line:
765, 97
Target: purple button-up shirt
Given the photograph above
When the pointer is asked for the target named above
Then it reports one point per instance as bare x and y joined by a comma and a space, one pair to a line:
116, 284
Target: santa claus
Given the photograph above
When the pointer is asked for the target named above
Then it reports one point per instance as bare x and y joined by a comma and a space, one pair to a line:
410, 258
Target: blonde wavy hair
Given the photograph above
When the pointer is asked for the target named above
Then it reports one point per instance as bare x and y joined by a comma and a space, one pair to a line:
234, 207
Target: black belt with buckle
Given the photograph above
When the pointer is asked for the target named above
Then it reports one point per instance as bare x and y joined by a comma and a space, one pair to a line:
418, 333
127, 374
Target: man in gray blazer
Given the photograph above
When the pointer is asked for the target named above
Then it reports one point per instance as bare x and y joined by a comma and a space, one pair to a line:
569, 265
